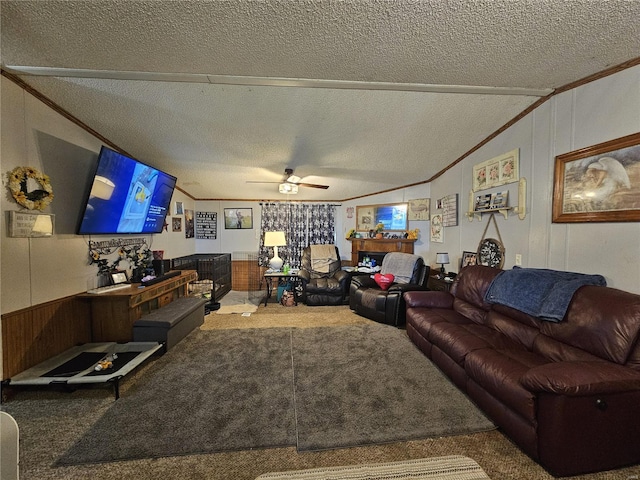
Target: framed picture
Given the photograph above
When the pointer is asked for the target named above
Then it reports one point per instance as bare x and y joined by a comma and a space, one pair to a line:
178, 208
394, 217
599, 183
499, 199
468, 258
119, 277
497, 171
189, 224
437, 231
450, 210
238, 218
419, 209
482, 202
176, 224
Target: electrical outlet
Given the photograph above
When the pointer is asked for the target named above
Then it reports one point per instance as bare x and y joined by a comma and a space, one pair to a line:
518, 259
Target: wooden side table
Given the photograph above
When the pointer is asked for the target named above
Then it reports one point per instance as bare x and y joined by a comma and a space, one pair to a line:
279, 277
438, 284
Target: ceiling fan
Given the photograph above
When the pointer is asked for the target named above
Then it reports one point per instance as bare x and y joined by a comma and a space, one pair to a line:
291, 182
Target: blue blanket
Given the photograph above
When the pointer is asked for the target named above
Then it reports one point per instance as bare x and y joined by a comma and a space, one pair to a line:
539, 292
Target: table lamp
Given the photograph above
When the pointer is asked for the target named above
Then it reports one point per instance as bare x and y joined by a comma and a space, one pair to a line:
442, 259
275, 240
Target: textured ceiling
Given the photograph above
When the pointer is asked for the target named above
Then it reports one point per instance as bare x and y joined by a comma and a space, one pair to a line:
215, 137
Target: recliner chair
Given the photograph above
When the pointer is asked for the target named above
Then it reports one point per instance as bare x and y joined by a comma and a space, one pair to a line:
327, 286
368, 299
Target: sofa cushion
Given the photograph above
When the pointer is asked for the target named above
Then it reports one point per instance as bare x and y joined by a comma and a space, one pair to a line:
457, 340
472, 283
423, 319
499, 373
601, 320
521, 333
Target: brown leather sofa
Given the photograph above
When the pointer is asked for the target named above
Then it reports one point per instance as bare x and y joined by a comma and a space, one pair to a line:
567, 393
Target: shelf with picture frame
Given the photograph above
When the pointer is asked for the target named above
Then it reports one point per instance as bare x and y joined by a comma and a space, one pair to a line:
497, 202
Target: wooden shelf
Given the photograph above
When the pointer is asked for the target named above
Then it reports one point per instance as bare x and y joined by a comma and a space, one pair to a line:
478, 213
404, 245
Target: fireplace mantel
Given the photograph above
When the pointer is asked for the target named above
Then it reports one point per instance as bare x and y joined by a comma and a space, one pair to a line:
404, 245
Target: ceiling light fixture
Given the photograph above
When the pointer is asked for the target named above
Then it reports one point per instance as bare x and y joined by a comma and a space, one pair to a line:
288, 188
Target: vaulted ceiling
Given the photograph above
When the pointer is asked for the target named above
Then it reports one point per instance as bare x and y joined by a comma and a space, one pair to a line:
363, 96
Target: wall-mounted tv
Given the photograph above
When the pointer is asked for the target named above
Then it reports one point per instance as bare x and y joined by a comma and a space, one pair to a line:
126, 196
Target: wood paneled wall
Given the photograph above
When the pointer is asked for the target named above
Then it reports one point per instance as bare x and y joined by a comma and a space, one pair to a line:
34, 334
245, 275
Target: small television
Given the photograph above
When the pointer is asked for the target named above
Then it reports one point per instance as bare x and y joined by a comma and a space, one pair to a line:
126, 196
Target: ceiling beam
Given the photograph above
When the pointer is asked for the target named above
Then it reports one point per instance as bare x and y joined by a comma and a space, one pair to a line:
275, 81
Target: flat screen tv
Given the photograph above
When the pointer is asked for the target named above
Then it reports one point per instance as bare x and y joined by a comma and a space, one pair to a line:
126, 196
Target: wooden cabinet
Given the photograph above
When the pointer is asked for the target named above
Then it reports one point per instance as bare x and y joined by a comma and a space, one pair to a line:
403, 245
113, 313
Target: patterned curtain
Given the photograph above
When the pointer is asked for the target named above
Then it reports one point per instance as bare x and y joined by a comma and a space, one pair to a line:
303, 225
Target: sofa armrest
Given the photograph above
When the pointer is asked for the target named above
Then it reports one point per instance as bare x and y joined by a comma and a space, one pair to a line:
428, 299
581, 378
304, 275
365, 281
401, 288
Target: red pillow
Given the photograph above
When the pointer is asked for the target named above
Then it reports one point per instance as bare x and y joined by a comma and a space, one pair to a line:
384, 281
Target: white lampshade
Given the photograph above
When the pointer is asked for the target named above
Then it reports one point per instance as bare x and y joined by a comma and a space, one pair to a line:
442, 258
275, 240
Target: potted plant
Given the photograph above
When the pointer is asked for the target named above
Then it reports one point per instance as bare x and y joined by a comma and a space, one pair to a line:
379, 229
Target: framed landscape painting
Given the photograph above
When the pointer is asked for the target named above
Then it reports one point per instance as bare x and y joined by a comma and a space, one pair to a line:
599, 183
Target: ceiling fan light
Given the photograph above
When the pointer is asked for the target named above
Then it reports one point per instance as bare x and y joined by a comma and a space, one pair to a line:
288, 188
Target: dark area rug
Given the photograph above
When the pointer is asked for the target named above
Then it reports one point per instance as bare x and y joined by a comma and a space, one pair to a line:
369, 385
317, 388
214, 391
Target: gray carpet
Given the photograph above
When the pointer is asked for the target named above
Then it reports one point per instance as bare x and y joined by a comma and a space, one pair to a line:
319, 388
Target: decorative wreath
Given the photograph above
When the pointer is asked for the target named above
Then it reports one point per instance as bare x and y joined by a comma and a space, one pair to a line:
36, 199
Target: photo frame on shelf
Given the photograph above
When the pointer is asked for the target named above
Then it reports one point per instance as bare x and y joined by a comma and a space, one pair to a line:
238, 218
118, 277
499, 199
600, 183
482, 202
468, 258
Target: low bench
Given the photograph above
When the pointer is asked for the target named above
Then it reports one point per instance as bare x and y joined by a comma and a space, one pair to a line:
171, 323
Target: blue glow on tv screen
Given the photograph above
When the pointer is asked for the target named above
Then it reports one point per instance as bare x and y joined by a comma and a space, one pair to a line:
126, 196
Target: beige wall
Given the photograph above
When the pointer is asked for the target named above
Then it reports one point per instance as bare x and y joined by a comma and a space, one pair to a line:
37, 270
603, 110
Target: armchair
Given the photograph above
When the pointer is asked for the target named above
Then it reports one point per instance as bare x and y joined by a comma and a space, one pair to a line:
322, 279
368, 299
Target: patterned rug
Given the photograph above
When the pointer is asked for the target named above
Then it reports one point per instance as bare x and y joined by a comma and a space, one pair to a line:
453, 467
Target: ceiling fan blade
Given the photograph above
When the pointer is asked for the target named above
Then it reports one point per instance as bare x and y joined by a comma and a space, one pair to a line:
312, 185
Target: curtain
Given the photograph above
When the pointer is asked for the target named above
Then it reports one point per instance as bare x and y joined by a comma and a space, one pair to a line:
303, 224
